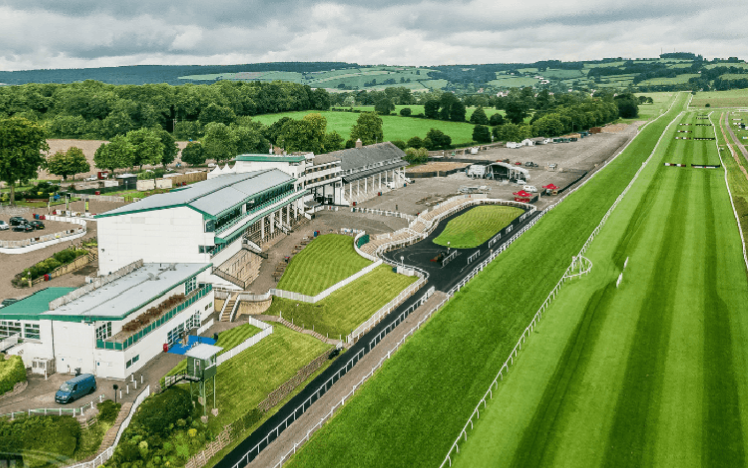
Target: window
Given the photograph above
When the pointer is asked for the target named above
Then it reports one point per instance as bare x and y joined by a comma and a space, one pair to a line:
31, 331
190, 285
9, 328
193, 322
104, 331
210, 225
132, 361
175, 334
206, 248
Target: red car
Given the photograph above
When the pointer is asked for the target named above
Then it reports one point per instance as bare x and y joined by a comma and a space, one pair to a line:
518, 163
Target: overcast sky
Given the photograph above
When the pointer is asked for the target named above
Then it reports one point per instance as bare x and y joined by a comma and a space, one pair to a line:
94, 33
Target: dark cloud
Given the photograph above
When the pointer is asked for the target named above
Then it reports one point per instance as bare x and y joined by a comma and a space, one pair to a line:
53, 33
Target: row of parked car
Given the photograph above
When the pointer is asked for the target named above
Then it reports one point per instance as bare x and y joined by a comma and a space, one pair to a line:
19, 224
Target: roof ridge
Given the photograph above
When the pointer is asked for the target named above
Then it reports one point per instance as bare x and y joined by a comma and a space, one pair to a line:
253, 174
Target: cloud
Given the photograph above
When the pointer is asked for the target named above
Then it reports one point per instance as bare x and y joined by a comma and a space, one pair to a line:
89, 33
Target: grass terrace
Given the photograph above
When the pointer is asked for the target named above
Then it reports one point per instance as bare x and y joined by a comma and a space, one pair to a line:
348, 307
477, 226
442, 371
327, 260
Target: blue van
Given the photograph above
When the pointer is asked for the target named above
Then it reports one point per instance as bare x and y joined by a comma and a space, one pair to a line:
75, 388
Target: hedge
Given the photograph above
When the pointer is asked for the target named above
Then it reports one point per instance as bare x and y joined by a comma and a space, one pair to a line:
12, 371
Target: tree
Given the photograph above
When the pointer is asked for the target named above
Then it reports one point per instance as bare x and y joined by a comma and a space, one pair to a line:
68, 163
416, 155
549, 125
368, 128
147, 145
406, 111
21, 144
219, 142
508, 132
384, 106
307, 134
481, 134
170, 146
516, 111
249, 139
216, 113
117, 154
439, 139
627, 106
400, 144
479, 117
457, 111
333, 142
431, 109
193, 154
415, 142
496, 119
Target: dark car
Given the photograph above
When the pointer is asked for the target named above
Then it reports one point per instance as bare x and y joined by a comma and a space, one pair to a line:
16, 220
75, 388
37, 225
23, 228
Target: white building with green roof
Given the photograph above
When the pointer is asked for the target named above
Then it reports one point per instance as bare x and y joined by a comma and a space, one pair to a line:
205, 222
115, 326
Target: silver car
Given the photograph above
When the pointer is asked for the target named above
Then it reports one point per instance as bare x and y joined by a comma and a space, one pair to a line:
4, 226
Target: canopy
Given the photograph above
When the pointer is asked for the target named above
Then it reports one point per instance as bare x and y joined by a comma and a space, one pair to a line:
522, 194
550, 187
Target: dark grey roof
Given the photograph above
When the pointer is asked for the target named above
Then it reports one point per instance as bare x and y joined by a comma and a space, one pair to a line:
324, 159
357, 158
211, 196
370, 172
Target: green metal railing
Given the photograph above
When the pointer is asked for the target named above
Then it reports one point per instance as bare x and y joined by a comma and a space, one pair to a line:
199, 294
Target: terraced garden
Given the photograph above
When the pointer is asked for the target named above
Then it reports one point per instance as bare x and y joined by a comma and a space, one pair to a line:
648, 373
411, 411
327, 260
476, 226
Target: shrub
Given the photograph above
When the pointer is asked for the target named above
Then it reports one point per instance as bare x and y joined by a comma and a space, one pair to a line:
158, 412
405, 112
12, 371
708, 105
52, 436
400, 144
108, 411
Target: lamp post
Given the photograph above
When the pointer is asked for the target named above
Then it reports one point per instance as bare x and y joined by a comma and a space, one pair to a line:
402, 260
448, 244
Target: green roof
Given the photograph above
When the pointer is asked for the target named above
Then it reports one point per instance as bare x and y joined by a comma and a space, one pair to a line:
31, 307
269, 158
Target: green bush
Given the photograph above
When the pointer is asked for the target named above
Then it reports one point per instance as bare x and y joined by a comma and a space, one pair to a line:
40, 440
12, 371
62, 257
157, 413
108, 411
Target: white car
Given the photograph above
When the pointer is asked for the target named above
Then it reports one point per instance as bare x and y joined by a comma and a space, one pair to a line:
530, 188
521, 182
4, 226
91, 178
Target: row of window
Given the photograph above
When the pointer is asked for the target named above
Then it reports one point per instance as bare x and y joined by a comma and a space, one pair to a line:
371, 166
132, 361
104, 331
190, 285
30, 330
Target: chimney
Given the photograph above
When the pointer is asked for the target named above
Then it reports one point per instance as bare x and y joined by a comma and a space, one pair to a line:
359, 144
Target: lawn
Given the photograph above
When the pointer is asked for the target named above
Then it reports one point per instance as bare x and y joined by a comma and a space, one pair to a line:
656, 364
731, 98
418, 109
411, 411
394, 126
227, 340
477, 226
327, 260
348, 307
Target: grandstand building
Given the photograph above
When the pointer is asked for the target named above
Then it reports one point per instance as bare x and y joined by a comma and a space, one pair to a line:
206, 222
368, 170
112, 327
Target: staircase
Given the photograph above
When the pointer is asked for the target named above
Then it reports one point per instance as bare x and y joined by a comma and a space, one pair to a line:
252, 248
228, 307
111, 434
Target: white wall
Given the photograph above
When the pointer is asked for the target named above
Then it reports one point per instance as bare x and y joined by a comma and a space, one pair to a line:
161, 236
30, 348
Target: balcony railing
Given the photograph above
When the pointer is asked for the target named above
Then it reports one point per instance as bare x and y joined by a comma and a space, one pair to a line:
254, 210
137, 336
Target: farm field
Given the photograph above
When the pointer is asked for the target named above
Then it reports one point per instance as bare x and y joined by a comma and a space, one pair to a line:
477, 226
732, 98
325, 261
441, 372
656, 363
348, 307
680, 79
418, 109
394, 127
509, 81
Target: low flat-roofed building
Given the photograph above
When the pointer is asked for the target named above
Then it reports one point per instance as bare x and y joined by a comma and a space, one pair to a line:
116, 325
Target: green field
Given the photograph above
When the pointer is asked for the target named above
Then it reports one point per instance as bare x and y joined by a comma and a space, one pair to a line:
348, 307
651, 111
418, 109
650, 373
732, 98
680, 79
476, 226
394, 127
509, 81
327, 260
411, 411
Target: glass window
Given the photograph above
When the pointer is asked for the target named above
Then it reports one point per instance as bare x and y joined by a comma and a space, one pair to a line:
104, 331
8, 328
31, 331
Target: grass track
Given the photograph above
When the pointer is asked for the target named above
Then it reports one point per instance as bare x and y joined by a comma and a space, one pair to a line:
410, 412
476, 226
646, 374
327, 260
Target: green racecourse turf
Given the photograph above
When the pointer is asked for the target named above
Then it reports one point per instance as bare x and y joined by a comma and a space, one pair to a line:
476, 226
411, 411
393, 126
327, 260
348, 307
650, 373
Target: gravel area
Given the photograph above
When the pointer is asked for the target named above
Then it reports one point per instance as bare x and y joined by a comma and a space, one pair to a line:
437, 166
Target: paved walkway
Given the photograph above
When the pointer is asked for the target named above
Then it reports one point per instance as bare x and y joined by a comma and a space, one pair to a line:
297, 432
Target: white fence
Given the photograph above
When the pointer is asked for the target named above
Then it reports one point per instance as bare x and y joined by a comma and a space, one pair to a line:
386, 309
249, 342
143, 395
395, 214
9, 342
569, 274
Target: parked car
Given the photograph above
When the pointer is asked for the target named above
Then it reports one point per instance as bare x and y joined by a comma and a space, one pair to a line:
521, 182
75, 388
552, 166
37, 225
530, 188
23, 228
530, 164
16, 220
518, 163
91, 178
4, 226
211, 165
